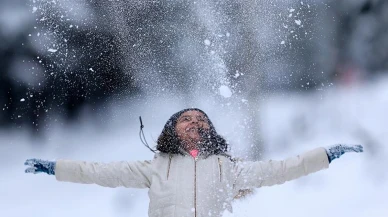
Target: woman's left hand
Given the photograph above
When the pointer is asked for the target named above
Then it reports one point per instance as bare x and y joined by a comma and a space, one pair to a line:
335, 151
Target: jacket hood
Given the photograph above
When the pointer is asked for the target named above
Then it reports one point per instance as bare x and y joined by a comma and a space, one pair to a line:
169, 142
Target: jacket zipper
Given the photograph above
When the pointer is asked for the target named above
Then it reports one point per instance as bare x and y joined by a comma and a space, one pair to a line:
195, 186
169, 165
220, 167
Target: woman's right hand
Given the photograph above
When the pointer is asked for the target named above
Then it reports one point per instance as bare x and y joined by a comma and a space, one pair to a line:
39, 166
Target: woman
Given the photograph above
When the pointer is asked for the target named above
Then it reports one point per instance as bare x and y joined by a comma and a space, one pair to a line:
191, 173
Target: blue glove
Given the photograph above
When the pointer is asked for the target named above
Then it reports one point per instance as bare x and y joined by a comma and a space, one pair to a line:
335, 151
40, 166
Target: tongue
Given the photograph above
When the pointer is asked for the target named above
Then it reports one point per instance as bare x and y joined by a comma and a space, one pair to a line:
194, 153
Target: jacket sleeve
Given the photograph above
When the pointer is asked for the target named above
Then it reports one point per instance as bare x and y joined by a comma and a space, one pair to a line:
258, 174
135, 174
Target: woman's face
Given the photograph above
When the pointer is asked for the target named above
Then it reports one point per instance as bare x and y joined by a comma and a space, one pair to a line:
189, 124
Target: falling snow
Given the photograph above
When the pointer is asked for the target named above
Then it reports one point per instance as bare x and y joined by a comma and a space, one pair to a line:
199, 48
225, 91
52, 50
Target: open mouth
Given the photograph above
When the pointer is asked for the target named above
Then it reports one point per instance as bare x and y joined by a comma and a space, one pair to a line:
197, 130
192, 129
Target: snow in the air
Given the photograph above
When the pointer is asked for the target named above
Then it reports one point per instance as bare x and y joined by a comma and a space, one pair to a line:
290, 123
225, 91
52, 50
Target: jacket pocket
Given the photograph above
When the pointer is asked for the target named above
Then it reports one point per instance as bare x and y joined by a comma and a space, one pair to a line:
220, 168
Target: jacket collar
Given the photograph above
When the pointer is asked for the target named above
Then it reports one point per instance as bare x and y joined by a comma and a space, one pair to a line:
201, 154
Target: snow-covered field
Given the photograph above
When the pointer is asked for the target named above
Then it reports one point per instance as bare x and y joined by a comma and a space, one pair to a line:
355, 185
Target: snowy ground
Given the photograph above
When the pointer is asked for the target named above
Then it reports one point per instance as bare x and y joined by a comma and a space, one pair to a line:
355, 185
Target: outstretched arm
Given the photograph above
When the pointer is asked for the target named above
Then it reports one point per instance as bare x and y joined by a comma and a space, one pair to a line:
135, 174
258, 174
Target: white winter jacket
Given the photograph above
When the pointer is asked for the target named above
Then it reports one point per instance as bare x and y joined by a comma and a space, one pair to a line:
181, 186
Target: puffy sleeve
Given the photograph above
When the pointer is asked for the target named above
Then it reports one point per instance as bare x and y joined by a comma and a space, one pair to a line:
136, 174
257, 174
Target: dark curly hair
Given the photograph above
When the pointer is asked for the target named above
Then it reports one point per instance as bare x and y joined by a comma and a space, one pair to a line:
169, 142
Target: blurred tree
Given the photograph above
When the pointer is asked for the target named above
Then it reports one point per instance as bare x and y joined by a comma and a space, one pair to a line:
361, 38
74, 67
